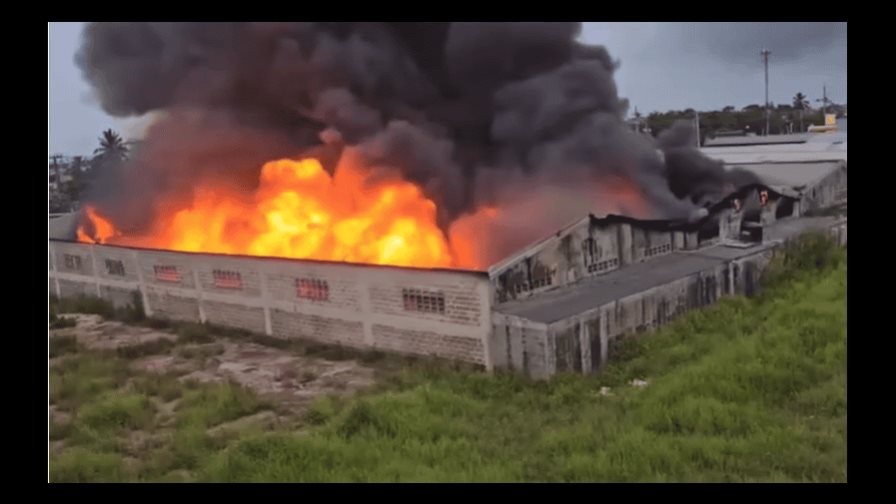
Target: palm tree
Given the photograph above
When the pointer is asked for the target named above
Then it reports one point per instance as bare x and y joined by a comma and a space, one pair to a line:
800, 102
112, 146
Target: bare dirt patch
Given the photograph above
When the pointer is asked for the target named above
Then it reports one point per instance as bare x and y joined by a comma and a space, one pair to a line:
293, 379
56, 447
94, 332
262, 419
289, 379
58, 416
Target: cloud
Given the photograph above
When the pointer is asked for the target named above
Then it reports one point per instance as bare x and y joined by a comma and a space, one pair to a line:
674, 66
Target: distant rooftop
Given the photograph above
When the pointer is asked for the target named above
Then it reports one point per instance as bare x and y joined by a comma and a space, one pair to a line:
756, 140
791, 175
816, 147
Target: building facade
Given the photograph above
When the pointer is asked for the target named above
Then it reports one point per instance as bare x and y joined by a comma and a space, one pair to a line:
445, 313
556, 306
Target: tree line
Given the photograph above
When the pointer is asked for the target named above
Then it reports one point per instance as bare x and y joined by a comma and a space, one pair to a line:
794, 117
111, 153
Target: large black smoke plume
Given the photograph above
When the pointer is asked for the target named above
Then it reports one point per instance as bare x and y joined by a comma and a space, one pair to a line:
474, 113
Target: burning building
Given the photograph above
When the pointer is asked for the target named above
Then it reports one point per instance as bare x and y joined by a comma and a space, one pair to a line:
378, 185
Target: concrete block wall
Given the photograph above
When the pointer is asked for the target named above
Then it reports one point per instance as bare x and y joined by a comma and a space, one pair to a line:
71, 258
329, 330
647, 244
119, 296
234, 315
149, 260
420, 342
839, 233
343, 292
333, 303
116, 264
829, 191
729, 224
616, 245
165, 304
769, 212
519, 344
67, 288
552, 262
584, 342
568, 258
731, 219
566, 255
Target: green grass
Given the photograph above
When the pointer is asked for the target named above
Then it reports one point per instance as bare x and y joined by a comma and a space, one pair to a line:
163, 386
117, 410
86, 377
61, 345
194, 333
153, 347
81, 465
745, 390
109, 404
209, 406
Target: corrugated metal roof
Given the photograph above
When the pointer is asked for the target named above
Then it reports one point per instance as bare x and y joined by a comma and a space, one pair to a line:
731, 158
62, 226
820, 147
791, 175
798, 138
594, 292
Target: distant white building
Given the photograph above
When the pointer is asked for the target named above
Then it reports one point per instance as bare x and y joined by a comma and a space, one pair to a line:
61, 170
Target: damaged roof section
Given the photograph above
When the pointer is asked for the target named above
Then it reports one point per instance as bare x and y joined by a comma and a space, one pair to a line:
709, 219
598, 246
796, 176
741, 195
562, 303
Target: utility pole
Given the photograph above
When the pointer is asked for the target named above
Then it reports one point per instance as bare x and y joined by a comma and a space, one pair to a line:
697, 120
824, 100
56, 158
765, 53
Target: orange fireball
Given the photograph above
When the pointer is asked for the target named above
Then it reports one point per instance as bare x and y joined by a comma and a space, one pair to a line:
300, 211
103, 229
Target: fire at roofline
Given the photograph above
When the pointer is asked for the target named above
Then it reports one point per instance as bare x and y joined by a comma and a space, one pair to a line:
457, 140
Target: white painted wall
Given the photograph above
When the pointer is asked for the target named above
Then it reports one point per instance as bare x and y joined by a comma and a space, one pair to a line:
365, 308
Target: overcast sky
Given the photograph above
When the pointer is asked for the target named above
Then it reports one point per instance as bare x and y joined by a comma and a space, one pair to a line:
664, 66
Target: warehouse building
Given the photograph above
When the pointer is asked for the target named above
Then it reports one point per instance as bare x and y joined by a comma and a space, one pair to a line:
555, 306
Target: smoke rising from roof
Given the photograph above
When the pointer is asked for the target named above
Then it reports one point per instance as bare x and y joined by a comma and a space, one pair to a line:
471, 112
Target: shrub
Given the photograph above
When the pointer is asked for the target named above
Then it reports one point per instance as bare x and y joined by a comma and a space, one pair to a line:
61, 345
153, 347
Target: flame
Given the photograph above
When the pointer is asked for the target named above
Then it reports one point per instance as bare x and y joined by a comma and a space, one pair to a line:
103, 229
491, 234
468, 244
623, 197
300, 211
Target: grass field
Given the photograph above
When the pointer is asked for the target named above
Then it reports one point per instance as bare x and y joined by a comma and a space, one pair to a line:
746, 390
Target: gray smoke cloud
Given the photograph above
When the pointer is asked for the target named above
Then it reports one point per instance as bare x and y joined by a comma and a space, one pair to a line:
462, 109
741, 42
693, 176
